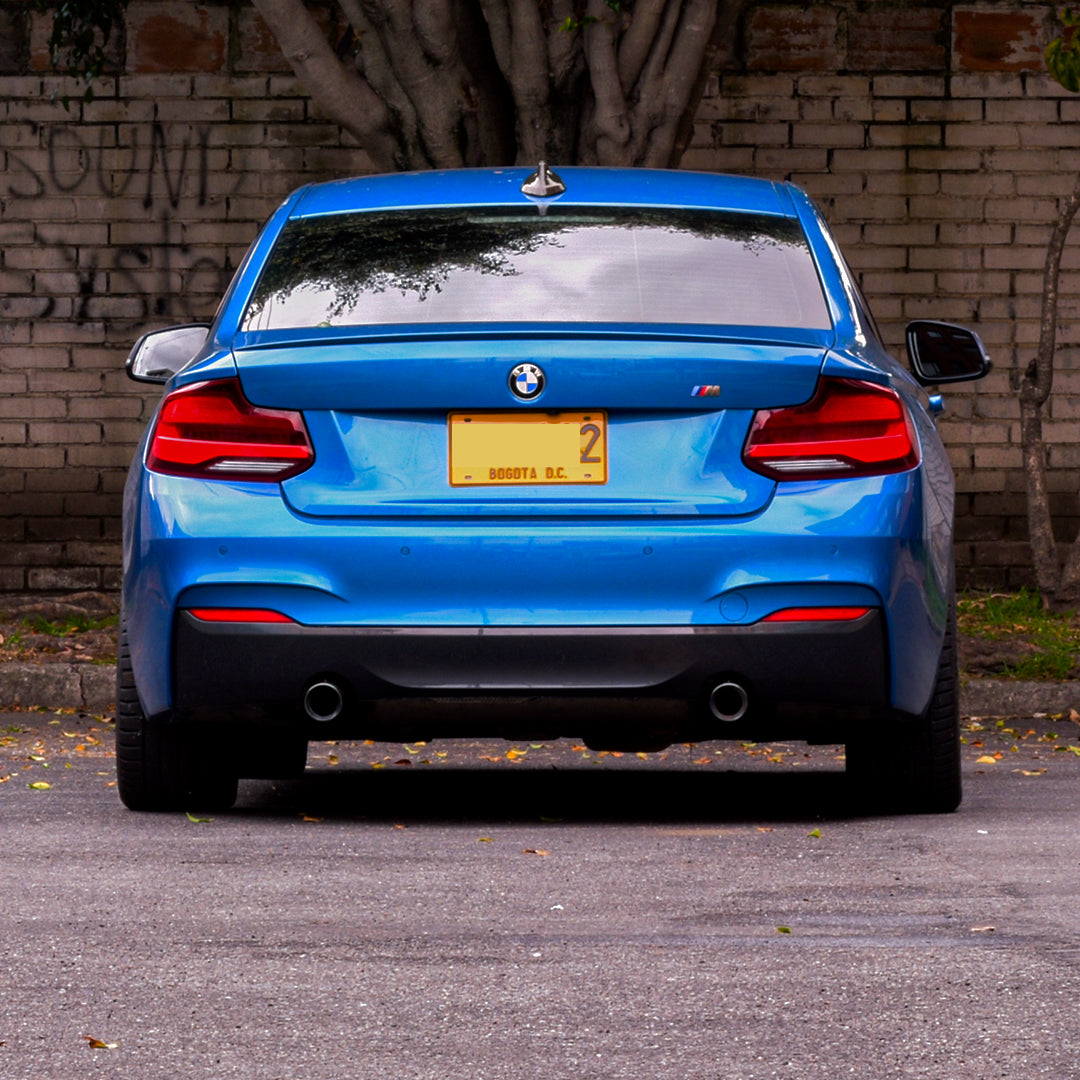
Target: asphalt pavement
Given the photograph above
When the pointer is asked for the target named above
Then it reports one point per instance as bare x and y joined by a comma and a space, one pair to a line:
494, 910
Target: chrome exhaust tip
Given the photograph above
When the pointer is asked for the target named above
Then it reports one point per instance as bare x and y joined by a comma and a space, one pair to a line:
323, 701
729, 701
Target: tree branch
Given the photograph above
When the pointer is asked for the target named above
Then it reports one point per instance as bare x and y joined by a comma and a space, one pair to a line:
638, 38
610, 116
339, 89
1038, 383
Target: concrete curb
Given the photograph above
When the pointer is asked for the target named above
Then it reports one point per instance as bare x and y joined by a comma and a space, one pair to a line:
59, 686
93, 687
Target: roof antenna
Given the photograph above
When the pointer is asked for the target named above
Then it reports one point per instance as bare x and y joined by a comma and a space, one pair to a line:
543, 184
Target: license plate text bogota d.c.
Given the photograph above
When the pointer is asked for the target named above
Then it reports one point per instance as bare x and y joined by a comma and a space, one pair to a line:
528, 448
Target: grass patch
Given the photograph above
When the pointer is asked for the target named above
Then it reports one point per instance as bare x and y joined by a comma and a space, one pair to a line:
1049, 641
75, 624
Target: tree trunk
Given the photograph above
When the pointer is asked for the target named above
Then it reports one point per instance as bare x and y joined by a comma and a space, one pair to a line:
448, 83
1060, 588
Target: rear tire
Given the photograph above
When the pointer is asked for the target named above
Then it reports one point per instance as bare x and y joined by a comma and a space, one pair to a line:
159, 765
913, 766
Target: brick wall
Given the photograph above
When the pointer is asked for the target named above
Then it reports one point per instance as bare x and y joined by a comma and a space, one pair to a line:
928, 131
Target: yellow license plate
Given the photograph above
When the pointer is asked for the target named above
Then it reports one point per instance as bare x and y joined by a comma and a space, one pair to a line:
528, 448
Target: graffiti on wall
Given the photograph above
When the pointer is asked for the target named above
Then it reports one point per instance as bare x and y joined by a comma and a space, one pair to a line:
159, 276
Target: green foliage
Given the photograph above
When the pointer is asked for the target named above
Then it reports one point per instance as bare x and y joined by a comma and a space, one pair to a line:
1053, 638
1062, 55
74, 624
81, 30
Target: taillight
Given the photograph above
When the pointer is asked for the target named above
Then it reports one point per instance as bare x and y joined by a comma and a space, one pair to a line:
211, 430
817, 614
848, 428
253, 615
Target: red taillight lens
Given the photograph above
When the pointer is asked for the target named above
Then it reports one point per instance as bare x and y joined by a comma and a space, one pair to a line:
816, 614
848, 428
211, 430
261, 615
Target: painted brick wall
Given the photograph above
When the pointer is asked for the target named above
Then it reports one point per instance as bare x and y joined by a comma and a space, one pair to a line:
928, 131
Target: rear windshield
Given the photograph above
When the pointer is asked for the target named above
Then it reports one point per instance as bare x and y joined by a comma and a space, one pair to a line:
570, 264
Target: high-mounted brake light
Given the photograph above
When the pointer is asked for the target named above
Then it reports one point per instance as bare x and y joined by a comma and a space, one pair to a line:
848, 428
211, 430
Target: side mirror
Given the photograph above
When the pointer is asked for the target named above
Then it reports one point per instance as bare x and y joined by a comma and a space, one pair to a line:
160, 354
942, 353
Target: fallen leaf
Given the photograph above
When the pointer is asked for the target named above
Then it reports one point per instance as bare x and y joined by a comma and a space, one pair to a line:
489, 757
816, 833
534, 851
198, 820
1030, 772
411, 750
403, 761
39, 785
308, 817
986, 759
377, 765
1074, 715
97, 1044
983, 929
513, 754
486, 840
5, 779
332, 759
441, 753
783, 929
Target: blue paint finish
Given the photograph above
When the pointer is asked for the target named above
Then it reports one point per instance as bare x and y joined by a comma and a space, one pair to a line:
682, 535
589, 187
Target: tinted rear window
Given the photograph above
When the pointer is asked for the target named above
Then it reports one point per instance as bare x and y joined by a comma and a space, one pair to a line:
571, 264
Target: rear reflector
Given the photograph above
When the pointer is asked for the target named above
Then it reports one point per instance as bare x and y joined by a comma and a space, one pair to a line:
225, 614
848, 428
817, 614
211, 430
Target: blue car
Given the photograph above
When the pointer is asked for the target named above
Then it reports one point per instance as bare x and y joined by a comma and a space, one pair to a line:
610, 454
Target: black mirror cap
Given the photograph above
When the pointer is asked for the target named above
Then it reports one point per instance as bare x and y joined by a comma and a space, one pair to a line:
160, 354
943, 353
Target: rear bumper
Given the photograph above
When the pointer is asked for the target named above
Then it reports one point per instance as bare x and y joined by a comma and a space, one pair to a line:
247, 668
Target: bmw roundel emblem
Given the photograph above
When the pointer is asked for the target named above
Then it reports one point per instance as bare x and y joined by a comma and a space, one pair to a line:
527, 381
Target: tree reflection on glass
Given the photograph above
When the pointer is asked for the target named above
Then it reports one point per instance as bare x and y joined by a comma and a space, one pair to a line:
570, 264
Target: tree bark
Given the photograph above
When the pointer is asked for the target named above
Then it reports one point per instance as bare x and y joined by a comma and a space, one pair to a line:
446, 83
1059, 588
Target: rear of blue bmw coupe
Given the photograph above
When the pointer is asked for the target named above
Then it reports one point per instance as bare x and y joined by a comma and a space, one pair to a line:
528, 452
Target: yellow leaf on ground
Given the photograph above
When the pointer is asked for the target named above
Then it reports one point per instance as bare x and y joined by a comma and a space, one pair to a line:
40, 785
97, 1044
986, 759
534, 851
1030, 772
